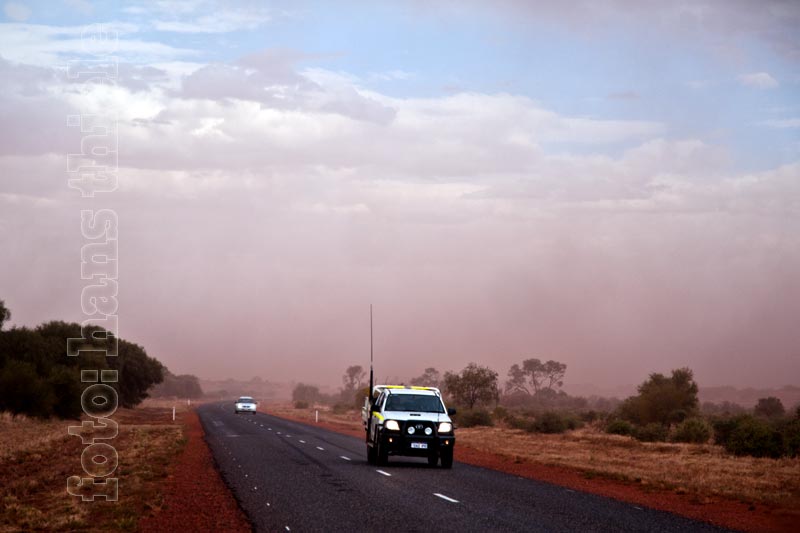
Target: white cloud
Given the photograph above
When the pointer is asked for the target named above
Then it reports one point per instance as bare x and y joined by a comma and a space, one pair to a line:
699, 84
16, 11
224, 19
759, 80
81, 6
37, 44
391, 75
784, 123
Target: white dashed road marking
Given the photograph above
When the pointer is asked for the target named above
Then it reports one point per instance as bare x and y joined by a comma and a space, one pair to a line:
448, 498
344, 457
384, 473
320, 448
302, 441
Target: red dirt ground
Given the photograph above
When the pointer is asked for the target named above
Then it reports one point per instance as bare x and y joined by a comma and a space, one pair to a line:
722, 512
196, 498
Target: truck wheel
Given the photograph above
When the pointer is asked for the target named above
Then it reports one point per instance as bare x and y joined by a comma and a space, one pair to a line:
383, 455
372, 456
433, 459
447, 458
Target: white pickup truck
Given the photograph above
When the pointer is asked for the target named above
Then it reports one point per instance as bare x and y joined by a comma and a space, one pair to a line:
406, 420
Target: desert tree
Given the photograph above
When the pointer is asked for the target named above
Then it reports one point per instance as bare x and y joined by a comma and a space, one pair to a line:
473, 385
5, 314
305, 393
429, 378
535, 375
770, 407
663, 400
353, 378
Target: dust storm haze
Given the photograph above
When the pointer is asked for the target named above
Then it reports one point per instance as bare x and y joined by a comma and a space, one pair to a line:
500, 184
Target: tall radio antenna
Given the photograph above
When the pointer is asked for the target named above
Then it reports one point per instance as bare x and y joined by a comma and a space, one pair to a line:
371, 384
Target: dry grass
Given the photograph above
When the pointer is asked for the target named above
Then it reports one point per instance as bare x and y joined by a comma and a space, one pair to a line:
703, 470
41, 455
20, 432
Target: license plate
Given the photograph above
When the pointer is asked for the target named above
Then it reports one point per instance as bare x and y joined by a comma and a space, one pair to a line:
420, 445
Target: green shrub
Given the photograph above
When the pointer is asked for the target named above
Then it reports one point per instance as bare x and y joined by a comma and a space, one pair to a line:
693, 430
653, 432
520, 422
723, 428
500, 413
475, 417
23, 391
791, 435
755, 437
301, 404
590, 416
550, 422
620, 427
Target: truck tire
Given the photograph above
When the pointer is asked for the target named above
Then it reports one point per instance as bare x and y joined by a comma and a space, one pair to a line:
383, 455
447, 458
372, 456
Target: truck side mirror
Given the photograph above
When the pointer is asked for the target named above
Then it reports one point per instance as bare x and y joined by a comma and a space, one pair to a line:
451, 411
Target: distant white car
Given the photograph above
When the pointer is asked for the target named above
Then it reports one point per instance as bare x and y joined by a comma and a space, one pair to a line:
245, 404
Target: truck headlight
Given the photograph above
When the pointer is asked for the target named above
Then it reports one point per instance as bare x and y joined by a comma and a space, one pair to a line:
392, 425
445, 427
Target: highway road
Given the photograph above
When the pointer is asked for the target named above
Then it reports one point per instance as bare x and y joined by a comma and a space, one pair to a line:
290, 476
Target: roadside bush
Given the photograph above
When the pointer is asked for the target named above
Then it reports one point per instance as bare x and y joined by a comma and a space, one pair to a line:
520, 422
792, 438
620, 427
550, 422
300, 404
500, 413
755, 437
24, 391
723, 428
573, 421
472, 418
590, 416
693, 430
341, 408
653, 432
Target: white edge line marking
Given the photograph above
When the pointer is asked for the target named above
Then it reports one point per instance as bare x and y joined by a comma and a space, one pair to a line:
384, 473
320, 448
345, 457
448, 498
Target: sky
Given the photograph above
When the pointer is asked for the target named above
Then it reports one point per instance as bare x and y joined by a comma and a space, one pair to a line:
611, 184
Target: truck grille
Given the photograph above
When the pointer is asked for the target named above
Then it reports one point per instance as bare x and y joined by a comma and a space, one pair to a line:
419, 427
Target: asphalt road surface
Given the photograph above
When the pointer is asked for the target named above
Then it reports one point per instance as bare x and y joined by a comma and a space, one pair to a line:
290, 476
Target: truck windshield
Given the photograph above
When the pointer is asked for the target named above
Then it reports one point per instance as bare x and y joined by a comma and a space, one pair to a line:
414, 402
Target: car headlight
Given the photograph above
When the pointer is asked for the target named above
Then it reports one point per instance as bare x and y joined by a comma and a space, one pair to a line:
392, 425
445, 427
